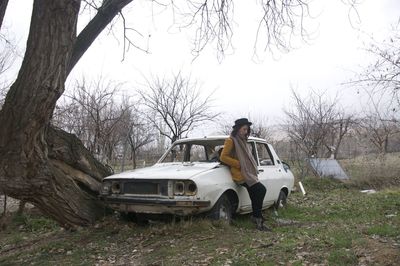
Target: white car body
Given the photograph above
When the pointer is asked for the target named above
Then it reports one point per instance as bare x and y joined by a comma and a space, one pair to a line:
158, 189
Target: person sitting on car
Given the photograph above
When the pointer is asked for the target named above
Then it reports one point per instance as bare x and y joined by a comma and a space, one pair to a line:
237, 155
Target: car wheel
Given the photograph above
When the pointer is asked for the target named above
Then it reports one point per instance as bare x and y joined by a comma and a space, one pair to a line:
282, 200
222, 209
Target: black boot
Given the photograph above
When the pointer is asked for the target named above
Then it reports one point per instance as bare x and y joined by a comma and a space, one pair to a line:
260, 225
253, 219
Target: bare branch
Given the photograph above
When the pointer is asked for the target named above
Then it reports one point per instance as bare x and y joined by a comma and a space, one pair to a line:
108, 10
316, 123
382, 77
177, 105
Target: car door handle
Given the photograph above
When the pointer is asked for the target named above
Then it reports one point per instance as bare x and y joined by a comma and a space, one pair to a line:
261, 170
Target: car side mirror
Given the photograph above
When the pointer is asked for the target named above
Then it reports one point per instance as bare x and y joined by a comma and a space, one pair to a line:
286, 166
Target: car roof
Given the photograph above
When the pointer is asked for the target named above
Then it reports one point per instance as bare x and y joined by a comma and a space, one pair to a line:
216, 137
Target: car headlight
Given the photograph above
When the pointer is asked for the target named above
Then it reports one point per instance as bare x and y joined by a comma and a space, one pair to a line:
179, 188
105, 188
116, 188
190, 188
187, 188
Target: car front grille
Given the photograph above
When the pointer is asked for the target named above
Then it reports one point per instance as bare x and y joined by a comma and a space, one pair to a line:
146, 187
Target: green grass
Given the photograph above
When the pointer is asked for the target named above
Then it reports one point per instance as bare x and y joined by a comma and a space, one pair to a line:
334, 224
34, 223
384, 230
342, 257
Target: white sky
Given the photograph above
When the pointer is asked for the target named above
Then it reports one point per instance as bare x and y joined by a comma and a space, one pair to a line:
242, 84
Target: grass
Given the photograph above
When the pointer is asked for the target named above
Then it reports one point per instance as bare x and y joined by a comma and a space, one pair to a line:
385, 230
334, 224
373, 171
33, 223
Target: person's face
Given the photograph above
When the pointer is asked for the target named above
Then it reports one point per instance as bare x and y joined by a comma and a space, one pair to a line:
243, 131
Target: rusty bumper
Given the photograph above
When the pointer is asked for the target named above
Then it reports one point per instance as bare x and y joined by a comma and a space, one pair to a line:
156, 205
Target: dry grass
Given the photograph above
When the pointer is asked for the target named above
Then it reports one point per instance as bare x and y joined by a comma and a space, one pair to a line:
373, 171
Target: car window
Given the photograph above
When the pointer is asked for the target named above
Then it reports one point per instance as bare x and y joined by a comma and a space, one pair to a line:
189, 152
176, 154
252, 149
264, 154
198, 153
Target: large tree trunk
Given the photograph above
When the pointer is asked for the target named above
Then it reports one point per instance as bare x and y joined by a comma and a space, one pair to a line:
3, 8
39, 164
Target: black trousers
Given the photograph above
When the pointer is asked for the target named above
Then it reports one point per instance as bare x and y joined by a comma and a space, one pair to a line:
257, 194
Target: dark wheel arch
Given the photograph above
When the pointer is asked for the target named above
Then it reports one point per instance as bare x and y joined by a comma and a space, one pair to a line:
225, 206
234, 199
282, 198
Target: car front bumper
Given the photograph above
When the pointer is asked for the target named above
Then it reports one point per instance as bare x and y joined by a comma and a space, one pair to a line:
156, 205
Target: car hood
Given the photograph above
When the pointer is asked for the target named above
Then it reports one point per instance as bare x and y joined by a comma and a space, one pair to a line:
166, 171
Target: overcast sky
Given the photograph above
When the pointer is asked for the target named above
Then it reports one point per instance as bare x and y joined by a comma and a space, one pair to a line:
242, 83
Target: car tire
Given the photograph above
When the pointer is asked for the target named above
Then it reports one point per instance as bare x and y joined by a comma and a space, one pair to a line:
282, 200
222, 210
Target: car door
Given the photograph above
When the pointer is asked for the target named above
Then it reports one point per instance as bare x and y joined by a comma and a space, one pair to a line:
269, 172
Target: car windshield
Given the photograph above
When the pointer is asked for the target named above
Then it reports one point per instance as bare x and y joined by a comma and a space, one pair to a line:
202, 151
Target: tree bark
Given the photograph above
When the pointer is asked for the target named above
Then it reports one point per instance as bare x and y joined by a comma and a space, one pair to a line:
134, 162
40, 164
5, 205
3, 8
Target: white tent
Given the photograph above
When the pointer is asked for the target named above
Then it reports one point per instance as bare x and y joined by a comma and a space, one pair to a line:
327, 168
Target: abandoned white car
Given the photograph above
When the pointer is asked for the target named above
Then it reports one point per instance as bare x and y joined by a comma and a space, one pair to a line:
189, 179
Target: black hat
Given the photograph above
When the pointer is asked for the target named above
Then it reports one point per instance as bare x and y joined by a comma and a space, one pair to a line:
242, 121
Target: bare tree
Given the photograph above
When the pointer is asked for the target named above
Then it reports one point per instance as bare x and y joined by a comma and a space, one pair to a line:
383, 75
316, 123
136, 132
379, 84
177, 104
141, 132
225, 128
92, 113
261, 127
340, 128
380, 122
377, 131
